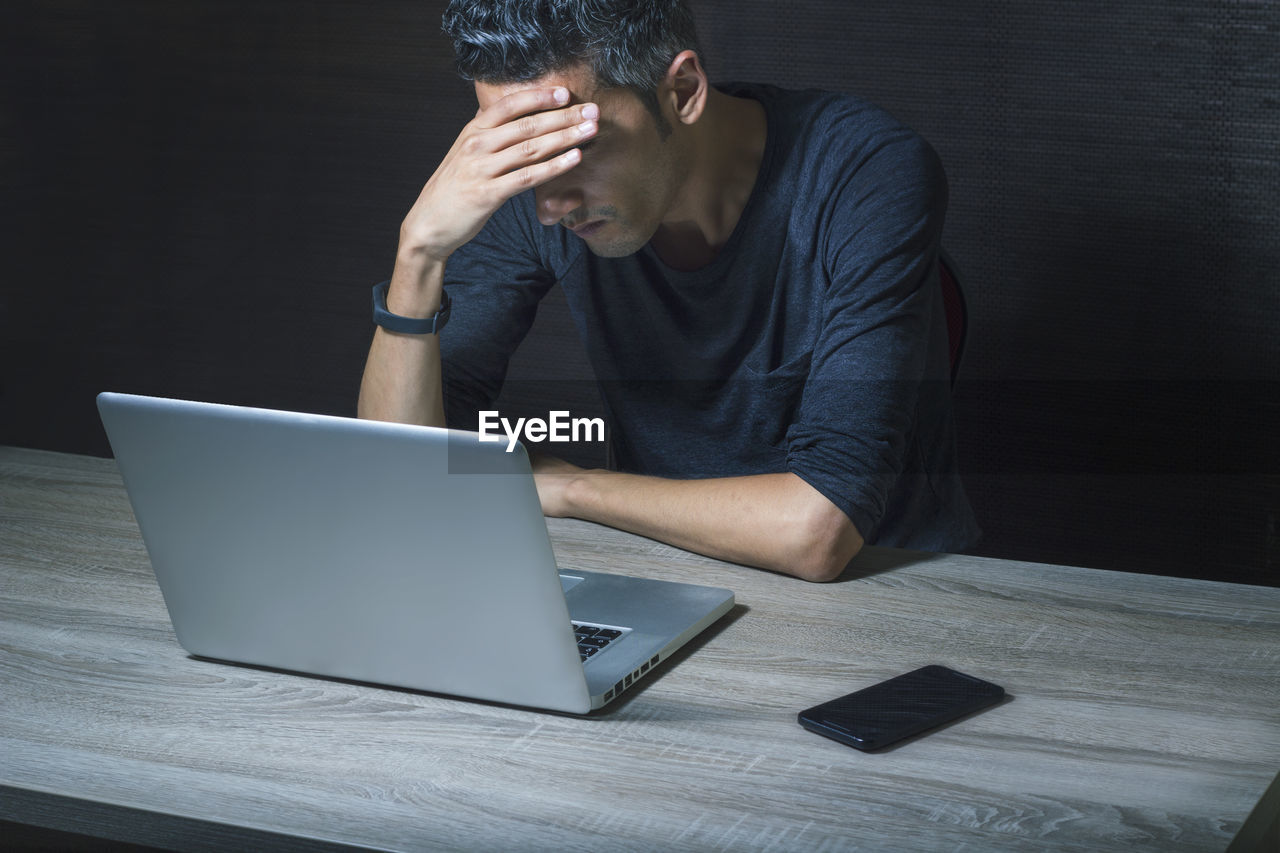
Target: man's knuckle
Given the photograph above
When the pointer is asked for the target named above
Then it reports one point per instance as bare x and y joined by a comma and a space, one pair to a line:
526, 177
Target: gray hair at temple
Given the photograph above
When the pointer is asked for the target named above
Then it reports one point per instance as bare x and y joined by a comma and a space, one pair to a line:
627, 43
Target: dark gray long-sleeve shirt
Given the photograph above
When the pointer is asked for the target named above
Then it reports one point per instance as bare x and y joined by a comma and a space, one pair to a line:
814, 343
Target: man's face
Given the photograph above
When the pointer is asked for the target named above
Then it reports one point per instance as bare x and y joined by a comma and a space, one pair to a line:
629, 177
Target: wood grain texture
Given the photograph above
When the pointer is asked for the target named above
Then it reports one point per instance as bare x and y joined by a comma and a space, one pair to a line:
1145, 711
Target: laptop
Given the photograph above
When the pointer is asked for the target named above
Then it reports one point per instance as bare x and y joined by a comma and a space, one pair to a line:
398, 555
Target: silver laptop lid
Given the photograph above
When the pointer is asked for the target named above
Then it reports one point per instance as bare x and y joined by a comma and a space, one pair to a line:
301, 542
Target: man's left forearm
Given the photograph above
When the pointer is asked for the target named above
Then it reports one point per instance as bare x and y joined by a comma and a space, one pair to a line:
773, 521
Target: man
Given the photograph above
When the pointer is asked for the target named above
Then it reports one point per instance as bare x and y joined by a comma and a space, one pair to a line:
753, 273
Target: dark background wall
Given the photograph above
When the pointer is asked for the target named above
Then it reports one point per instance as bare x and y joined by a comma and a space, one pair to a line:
197, 196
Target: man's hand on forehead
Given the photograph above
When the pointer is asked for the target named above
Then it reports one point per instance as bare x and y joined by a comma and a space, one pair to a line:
518, 141
533, 124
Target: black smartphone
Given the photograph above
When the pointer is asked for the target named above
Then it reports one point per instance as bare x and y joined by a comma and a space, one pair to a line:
905, 705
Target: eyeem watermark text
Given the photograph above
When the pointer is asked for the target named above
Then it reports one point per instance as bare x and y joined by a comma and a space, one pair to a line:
558, 427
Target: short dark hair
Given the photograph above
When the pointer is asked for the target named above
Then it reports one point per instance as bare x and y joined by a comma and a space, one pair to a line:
627, 43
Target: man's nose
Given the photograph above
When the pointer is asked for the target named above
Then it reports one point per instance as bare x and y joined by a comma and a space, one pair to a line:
555, 201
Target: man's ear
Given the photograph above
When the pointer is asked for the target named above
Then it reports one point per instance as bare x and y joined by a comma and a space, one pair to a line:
685, 87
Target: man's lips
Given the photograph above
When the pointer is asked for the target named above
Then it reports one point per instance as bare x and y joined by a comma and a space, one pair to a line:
586, 229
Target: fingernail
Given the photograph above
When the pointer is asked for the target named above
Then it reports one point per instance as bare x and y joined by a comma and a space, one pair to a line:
591, 111
586, 127
561, 95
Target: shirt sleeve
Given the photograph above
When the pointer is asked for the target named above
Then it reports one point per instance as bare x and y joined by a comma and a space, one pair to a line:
495, 283
877, 346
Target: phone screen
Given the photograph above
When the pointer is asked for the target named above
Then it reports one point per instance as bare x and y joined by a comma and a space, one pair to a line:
892, 710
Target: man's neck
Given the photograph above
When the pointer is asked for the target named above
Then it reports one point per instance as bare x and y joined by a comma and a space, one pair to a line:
727, 146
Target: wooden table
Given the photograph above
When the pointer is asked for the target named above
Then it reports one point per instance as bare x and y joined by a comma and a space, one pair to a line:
1145, 712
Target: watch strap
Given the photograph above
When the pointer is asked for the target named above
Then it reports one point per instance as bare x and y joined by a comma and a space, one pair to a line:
408, 325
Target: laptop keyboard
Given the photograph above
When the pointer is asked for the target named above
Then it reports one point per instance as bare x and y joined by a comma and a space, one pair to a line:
593, 638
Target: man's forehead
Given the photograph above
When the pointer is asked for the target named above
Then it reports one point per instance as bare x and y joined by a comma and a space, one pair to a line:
580, 80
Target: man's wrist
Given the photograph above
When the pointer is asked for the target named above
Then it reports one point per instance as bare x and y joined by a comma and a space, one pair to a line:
418, 249
416, 254
416, 288
407, 325
584, 493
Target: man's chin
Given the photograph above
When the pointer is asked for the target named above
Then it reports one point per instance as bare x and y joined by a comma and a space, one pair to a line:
611, 250
604, 244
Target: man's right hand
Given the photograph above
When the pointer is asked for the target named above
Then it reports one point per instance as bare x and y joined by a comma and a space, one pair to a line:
516, 143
